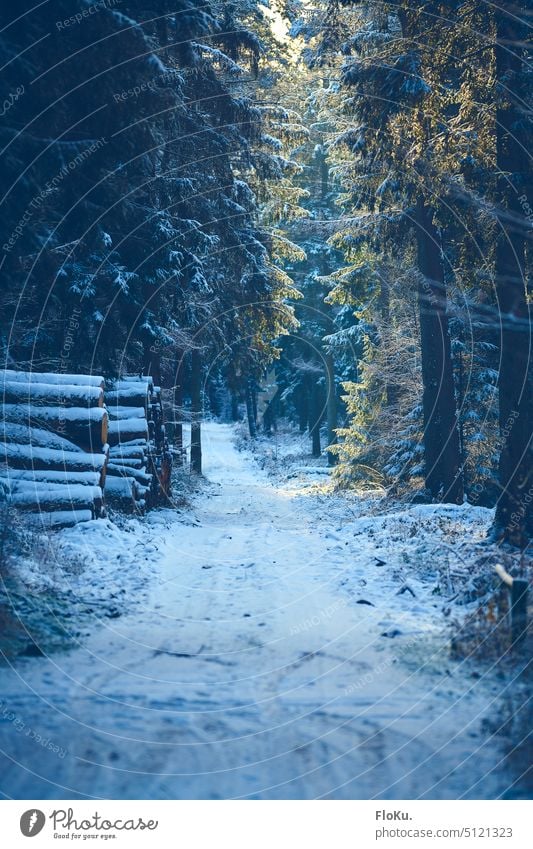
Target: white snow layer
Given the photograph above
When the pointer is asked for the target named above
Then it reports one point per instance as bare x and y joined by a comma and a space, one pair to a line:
269, 649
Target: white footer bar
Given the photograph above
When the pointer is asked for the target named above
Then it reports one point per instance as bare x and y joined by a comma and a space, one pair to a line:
268, 824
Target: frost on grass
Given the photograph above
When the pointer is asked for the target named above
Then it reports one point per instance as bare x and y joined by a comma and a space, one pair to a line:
437, 554
55, 587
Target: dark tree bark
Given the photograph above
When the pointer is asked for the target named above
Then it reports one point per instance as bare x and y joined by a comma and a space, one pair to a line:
250, 413
302, 402
443, 471
152, 362
215, 406
315, 417
269, 417
234, 407
196, 412
331, 406
178, 404
322, 162
461, 398
254, 403
514, 512
391, 391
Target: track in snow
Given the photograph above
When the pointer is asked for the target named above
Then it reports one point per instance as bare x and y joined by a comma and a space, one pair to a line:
254, 669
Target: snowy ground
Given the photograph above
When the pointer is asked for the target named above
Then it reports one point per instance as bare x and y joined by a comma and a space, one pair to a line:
271, 642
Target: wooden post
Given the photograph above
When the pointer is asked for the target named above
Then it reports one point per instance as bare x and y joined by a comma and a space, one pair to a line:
518, 588
518, 610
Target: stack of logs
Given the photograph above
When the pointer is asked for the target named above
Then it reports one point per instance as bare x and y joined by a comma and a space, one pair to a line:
64, 454
138, 471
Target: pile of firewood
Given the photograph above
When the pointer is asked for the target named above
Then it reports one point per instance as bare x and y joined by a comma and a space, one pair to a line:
138, 472
53, 445
68, 447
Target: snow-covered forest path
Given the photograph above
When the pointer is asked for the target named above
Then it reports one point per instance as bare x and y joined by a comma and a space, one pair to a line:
272, 657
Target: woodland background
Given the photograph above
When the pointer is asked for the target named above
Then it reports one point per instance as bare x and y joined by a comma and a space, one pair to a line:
331, 198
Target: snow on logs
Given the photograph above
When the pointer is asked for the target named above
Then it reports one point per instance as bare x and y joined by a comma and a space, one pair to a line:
53, 445
37, 496
51, 394
126, 429
131, 396
67, 443
59, 518
35, 378
35, 459
86, 427
138, 446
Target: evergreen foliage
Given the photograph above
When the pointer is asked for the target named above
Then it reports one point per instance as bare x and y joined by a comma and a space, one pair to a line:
342, 188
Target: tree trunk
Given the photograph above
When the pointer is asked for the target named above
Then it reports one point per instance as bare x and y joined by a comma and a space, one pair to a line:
302, 400
178, 407
84, 426
443, 472
461, 400
254, 403
514, 513
250, 410
391, 390
196, 412
152, 362
127, 430
50, 377
120, 493
64, 476
331, 405
269, 417
315, 417
49, 459
44, 394
34, 496
234, 407
322, 162
213, 390
130, 397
